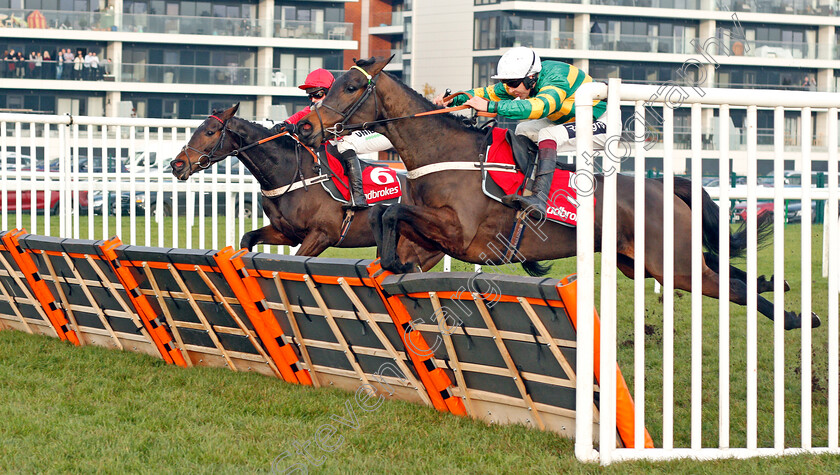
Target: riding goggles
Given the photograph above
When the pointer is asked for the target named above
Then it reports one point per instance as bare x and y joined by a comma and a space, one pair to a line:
512, 83
320, 93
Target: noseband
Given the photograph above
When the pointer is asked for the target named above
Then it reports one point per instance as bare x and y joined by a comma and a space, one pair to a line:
211, 155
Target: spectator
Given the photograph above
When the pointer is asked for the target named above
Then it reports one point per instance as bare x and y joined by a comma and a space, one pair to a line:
59, 64
30, 65
38, 62
78, 65
806, 83
107, 67
813, 85
20, 65
86, 66
8, 65
47, 72
94, 67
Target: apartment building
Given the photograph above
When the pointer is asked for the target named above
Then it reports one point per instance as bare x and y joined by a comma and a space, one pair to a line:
773, 44
169, 58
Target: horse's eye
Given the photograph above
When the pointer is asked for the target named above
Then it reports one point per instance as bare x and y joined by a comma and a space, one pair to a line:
210, 132
351, 88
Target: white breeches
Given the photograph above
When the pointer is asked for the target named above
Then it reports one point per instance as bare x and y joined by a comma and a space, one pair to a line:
564, 135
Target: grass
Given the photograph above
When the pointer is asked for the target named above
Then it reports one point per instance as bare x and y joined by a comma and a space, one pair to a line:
83, 409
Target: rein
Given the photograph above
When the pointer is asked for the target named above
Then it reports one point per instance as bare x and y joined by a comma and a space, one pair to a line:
340, 126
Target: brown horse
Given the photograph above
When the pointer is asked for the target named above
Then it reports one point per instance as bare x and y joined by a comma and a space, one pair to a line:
453, 215
306, 216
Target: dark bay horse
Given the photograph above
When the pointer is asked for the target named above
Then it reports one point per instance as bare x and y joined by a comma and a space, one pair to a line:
452, 214
308, 217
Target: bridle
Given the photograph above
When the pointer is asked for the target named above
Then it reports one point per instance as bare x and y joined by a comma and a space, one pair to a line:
211, 155
212, 158
348, 112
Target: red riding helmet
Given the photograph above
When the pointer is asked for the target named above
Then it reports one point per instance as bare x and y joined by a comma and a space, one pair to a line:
318, 78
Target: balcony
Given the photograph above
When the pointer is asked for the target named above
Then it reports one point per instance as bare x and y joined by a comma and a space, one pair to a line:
190, 25
387, 19
785, 7
538, 39
59, 20
772, 49
313, 30
640, 43
232, 74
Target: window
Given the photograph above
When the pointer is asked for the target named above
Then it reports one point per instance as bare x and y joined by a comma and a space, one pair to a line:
483, 68
486, 32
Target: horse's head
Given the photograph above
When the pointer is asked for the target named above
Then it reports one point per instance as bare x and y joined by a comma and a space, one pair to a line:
350, 100
209, 144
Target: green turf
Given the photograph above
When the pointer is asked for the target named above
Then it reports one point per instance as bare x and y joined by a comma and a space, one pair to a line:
84, 409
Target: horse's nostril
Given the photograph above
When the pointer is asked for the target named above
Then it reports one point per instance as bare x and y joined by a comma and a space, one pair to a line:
178, 164
307, 126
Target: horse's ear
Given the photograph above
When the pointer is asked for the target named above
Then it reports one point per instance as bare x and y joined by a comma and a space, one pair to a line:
230, 112
375, 65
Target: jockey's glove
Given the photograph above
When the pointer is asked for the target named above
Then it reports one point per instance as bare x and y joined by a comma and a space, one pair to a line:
283, 127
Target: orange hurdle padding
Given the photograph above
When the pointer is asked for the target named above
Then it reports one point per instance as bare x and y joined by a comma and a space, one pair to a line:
624, 408
435, 380
251, 297
55, 313
159, 334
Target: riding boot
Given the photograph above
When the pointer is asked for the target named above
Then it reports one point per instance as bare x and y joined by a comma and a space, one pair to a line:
354, 174
536, 202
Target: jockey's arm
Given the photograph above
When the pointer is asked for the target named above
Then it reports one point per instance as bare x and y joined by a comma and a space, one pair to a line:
548, 101
363, 141
496, 92
295, 118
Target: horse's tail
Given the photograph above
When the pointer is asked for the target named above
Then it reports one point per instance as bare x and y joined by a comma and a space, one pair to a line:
535, 269
710, 212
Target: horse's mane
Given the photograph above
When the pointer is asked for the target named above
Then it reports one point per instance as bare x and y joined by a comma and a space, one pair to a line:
285, 141
448, 119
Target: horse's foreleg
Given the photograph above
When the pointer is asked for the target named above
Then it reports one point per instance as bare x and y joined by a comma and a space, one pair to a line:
764, 285
314, 244
266, 235
375, 221
438, 226
738, 294
409, 250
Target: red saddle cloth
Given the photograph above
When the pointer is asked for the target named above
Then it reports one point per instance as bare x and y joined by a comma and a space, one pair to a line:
380, 182
561, 202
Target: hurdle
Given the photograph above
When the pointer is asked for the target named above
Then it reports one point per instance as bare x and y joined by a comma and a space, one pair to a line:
495, 347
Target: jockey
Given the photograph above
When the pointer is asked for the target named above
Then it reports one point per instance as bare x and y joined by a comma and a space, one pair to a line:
544, 92
316, 85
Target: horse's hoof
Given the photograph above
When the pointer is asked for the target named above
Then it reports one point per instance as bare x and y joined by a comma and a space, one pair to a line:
793, 321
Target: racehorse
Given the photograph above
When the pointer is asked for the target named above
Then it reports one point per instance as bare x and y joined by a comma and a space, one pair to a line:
306, 216
452, 213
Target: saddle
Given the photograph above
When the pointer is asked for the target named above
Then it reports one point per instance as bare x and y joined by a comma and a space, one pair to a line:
382, 184
506, 147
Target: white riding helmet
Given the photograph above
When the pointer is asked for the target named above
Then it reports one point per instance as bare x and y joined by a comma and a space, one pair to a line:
518, 63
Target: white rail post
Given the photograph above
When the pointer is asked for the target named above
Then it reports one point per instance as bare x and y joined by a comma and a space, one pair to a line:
833, 274
807, 137
607, 382
585, 276
752, 274
639, 272
779, 282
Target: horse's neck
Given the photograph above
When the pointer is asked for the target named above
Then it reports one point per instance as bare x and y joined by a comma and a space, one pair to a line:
424, 140
270, 170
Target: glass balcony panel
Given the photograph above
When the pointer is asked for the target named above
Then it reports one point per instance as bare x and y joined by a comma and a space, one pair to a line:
640, 43
326, 30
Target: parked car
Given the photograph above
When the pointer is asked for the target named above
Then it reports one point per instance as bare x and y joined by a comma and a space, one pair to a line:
793, 210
